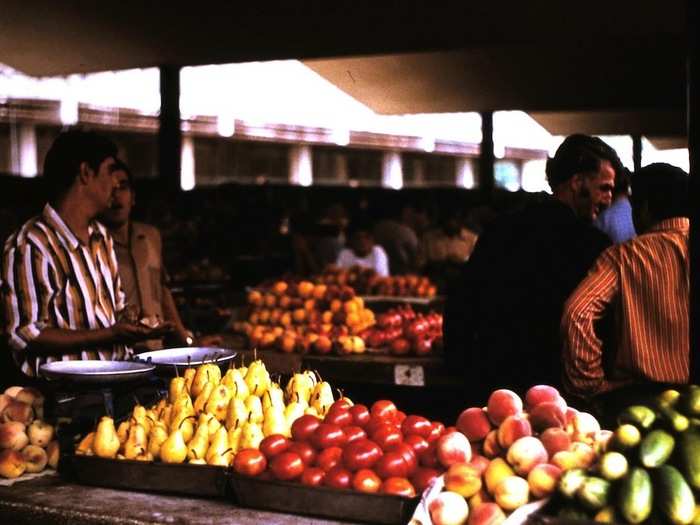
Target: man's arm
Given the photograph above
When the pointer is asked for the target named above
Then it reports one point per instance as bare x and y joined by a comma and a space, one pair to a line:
582, 348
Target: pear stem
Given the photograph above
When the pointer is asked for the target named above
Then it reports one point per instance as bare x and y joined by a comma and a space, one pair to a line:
185, 419
177, 374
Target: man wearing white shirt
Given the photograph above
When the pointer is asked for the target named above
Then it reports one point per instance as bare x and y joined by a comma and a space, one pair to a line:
363, 252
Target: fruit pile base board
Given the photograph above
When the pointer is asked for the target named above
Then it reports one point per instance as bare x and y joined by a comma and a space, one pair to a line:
189, 480
294, 498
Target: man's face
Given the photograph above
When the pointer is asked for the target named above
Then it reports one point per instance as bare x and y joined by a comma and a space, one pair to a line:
102, 183
119, 211
593, 193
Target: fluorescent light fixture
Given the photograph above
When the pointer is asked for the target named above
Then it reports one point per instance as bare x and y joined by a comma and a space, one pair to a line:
340, 136
69, 111
427, 144
225, 125
392, 170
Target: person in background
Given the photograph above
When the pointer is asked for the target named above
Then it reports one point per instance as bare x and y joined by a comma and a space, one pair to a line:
616, 221
144, 278
645, 283
502, 317
451, 242
328, 238
363, 251
61, 292
397, 235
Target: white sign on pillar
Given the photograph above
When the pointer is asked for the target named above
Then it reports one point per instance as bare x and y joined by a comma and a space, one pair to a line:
392, 170
187, 164
464, 176
300, 165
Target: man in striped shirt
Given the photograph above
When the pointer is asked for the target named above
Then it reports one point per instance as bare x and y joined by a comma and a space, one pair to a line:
61, 292
645, 283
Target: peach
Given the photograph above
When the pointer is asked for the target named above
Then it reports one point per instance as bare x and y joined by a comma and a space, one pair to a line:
479, 462
541, 394
53, 452
497, 471
453, 448
13, 391
584, 453
543, 479
13, 435
40, 433
503, 403
601, 439
4, 400
463, 479
12, 464
31, 396
525, 453
583, 427
565, 460
486, 513
512, 492
35, 458
547, 414
448, 508
18, 411
480, 497
490, 447
512, 429
555, 439
474, 423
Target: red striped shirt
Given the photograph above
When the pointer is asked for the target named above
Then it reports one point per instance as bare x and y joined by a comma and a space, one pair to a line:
648, 280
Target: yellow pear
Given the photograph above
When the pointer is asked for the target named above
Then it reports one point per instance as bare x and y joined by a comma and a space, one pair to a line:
214, 373
251, 435
203, 397
312, 411
234, 439
106, 443
188, 375
240, 389
236, 414
322, 397
160, 406
210, 422
219, 452
201, 378
123, 431
140, 415
293, 411
183, 421
182, 401
174, 449
299, 388
158, 435
197, 461
136, 443
275, 422
217, 404
198, 445
257, 378
84, 448
166, 415
177, 385
228, 380
273, 397
145, 456
255, 410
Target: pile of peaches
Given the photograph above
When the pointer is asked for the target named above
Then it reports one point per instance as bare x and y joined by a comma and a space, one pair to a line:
520, 450
365, 281
307, 317
27, 443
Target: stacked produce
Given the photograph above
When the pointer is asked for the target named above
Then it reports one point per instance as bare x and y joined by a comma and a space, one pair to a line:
365, 281
403, 331
650, 470
521, 451
26, 442
377, 450
207, 418
306, 316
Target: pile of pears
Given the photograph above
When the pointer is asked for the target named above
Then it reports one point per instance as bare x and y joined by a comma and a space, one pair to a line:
207, 418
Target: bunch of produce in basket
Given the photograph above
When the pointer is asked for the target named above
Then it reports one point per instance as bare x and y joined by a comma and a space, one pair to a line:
365, 281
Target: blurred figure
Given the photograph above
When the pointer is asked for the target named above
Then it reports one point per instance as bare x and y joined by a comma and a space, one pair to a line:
616, 221
363, 251
328, 237
451, 242
397, 235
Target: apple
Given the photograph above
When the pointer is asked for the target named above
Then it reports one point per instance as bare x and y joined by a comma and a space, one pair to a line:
40, 433
448, 508
12, 464
453, 448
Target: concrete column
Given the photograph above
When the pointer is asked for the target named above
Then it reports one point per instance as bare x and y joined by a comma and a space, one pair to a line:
464, 173
300, 165
392, 170
187, 163
487, 156
23, 153
340, 166
170, 133
637, 151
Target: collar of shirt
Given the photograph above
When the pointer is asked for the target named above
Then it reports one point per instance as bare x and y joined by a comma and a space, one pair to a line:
64, 232
674, 223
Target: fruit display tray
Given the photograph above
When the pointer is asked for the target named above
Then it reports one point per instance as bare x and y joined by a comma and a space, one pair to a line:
183, 479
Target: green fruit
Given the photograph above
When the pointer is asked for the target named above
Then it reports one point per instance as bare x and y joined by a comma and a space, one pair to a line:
674, 419
656, 447
626, 436
691, 401
571, 481
606, 515
689, 457
674, 496
639, 415
613, 465
594, 493
570, 512
670, 396
635, 496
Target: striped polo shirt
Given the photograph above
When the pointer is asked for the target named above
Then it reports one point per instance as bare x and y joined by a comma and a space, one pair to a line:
51, 279
647, 278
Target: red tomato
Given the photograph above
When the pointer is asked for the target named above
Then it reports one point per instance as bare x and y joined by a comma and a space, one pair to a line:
353, 433
287, 466
422, 477
428, 457
313, 476
305, 451
250, 462
374, 423
304, 427
273, 445
398, 486
422, 345
400, 346
360, 415
338, 478
417, 425
342, 402
408, 455
329, 458
386, 436
391, 464
361, 454
327, 435
366, 480
383, 408
339, 416
436, 431
399, 417
419, 444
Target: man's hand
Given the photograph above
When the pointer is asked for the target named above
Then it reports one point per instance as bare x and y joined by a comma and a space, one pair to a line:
209, 340
126, 332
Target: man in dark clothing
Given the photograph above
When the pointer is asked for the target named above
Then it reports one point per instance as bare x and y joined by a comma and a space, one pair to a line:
502, 319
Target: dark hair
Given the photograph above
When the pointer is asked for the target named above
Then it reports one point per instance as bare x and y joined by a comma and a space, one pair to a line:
579, 154
120, 165
359, 225
622, 182
664, 188
68, 151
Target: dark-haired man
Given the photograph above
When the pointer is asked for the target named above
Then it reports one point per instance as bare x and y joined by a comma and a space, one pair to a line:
645, 282
502, 320
61, 291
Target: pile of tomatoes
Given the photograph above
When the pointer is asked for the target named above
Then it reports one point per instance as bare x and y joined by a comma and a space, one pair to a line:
377, 450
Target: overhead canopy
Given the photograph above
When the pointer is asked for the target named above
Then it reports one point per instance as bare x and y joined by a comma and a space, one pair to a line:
395, 57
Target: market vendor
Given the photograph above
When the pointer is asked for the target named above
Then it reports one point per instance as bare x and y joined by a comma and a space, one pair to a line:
644, 282
363, 251
143, 275
61, 290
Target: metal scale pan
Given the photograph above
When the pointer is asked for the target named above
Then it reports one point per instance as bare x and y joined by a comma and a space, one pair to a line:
96, 372
186, 356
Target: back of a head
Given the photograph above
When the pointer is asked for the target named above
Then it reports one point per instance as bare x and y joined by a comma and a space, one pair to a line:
663, 188
579, 154
70, 149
